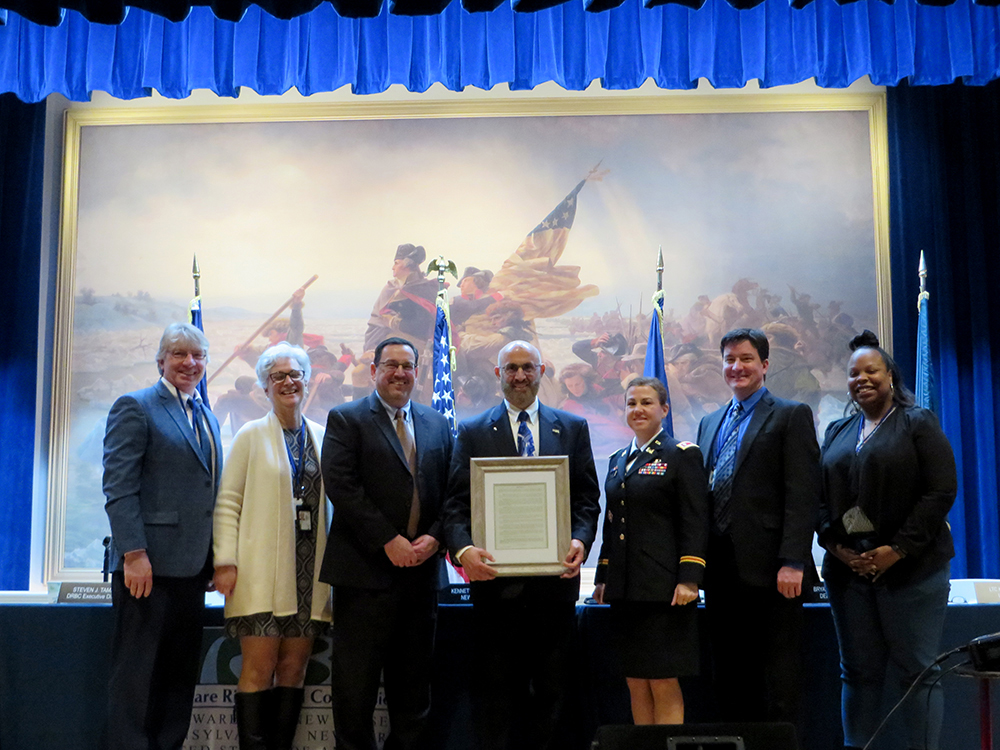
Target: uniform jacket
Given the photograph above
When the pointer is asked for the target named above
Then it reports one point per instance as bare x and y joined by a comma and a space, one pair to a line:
255, 522
370, 485
657, 522
159, 489
776, 487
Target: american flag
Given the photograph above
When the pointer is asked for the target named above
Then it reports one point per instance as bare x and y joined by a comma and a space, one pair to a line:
443, 399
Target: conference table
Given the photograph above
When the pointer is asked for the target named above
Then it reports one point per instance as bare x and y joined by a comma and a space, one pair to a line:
54, 672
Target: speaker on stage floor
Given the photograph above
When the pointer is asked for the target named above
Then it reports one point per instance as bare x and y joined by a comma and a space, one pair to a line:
736, 736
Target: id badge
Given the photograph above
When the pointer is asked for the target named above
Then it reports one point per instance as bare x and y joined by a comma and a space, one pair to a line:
305, 520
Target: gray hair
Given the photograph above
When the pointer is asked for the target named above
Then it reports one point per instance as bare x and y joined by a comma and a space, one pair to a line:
282, 350
180, 333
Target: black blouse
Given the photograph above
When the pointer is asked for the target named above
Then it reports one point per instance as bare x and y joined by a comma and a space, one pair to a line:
903, 478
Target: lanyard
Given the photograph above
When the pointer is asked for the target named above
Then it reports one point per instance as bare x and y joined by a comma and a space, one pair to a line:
298, 469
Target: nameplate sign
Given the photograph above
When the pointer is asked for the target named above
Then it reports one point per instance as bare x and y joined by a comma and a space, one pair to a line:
78, 592
987, 592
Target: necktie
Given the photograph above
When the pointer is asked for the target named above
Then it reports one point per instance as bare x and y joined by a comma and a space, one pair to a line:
631, 457
722, 477
525, 443
198, 424
410, 451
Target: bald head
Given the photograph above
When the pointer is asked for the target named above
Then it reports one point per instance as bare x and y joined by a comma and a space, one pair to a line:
526, 346
519, 369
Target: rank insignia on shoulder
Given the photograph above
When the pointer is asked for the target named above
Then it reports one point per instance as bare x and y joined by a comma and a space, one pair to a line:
687, 444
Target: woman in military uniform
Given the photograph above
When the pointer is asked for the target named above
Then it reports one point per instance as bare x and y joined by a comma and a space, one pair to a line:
650, 567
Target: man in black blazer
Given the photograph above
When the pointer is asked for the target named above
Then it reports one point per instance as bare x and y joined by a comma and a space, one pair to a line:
523, 626
763, 462
162, 462
385, 468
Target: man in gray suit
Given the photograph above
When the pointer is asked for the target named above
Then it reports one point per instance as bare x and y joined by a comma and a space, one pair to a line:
162, 461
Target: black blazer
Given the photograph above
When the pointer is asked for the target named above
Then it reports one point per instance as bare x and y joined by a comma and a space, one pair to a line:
905, 481
369, 483
776, 488
559, 434
664, 499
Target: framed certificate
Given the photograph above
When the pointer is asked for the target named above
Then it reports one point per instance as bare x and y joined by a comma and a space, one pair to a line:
520, 513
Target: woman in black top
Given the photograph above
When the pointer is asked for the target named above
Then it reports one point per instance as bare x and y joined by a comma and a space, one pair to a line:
889, 480
650, 568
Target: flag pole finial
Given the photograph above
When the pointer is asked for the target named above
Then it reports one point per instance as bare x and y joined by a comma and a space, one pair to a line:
922, 273
196, 275
659, 269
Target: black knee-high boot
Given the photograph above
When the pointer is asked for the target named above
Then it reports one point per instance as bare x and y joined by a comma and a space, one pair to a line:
287, 705
253, 719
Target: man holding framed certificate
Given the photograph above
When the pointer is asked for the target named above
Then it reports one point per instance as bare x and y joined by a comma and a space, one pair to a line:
523, 623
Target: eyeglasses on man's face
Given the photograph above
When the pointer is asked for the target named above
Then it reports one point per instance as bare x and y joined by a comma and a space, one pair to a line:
392, 365
279, 377
528, 368
181, 354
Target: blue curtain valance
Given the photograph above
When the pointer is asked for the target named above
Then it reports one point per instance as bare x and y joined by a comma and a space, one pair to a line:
52, 12
623, 47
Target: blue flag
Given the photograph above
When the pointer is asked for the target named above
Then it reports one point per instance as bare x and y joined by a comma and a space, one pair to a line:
196, 322
654, 366
443, 399
923, 385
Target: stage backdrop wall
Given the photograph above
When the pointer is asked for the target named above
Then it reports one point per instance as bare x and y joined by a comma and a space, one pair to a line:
942, 153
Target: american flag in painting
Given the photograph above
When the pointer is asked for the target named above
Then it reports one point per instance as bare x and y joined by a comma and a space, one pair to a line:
548, 239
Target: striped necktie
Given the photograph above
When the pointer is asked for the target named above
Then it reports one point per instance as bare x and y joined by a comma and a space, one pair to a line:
525, 443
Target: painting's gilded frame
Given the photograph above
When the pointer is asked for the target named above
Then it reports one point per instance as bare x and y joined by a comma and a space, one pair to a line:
76, 120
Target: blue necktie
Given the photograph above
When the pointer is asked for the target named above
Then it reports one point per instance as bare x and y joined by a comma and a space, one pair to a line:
198, 423
525, 443
722, 477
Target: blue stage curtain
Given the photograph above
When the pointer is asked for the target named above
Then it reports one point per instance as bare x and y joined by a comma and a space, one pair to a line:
623, 47
944, 164
22, 136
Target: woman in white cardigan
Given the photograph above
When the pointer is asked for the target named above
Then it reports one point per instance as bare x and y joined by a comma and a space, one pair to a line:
269, 536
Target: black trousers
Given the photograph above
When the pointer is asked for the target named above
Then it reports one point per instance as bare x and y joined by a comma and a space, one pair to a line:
523, 655
155, 653
756, 641
388, 630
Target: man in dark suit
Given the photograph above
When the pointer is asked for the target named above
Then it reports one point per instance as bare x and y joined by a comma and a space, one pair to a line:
385, 468
162, 462
523, 626
763, 462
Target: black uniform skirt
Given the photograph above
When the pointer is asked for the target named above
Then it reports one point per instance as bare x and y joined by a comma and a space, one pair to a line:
654, 640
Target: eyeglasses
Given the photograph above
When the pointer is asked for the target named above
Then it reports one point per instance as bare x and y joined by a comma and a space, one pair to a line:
528, 368
181, 354
279, 377
390, 366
